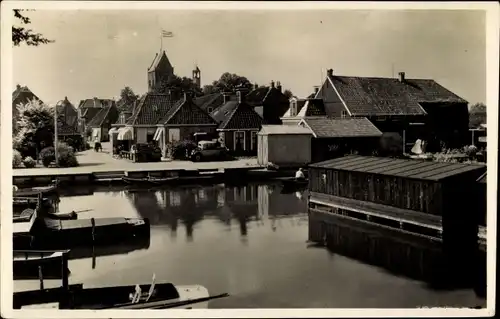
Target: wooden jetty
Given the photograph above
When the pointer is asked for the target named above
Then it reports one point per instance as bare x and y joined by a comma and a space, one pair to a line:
433, 200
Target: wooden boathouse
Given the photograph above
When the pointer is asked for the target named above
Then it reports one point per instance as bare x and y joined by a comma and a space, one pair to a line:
420, 200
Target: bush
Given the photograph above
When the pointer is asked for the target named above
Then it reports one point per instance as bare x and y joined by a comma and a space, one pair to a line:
65, 155
29, 162
471, 150
17, 160
178, 150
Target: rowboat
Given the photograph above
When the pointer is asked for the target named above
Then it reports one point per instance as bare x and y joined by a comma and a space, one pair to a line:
27, 264
26, 215
148, 180
35, 191
148, 296
49, 233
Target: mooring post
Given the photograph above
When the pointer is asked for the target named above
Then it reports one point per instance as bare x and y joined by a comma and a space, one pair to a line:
65, 273
92, 220
40, 276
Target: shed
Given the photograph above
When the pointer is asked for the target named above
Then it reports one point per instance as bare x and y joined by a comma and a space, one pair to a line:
438, 194
284, 145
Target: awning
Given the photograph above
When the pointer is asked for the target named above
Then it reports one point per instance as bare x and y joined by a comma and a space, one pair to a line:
157, 135
125, 134
113, 130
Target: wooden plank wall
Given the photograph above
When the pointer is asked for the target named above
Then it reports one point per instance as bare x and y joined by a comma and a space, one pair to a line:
424, 196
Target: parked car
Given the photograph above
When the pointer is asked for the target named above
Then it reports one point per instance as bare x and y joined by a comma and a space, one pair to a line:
209, 150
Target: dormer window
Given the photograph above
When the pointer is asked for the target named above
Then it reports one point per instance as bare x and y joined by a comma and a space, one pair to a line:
210, 109
293, 108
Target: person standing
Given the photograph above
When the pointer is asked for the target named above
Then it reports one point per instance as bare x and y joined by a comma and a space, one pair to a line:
299, 175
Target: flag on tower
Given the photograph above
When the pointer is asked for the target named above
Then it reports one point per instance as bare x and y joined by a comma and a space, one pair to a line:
166, 34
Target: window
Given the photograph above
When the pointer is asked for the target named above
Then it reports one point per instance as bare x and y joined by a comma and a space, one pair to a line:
253, 145
175, 198
343, 114
293, 108
210, 109
239, 141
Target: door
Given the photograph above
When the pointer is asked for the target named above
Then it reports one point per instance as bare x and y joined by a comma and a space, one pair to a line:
239, 141
174, 135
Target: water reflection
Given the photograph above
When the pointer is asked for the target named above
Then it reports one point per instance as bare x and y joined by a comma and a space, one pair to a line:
248, 205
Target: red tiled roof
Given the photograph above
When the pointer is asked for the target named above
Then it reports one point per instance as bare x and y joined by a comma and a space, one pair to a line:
325, 127
367, 96
186, 111
151, 109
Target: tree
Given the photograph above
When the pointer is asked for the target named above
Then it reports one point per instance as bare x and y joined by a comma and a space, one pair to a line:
127, 98
179, 84
20, 34
35, 127
288, 93
229, 81
477, 115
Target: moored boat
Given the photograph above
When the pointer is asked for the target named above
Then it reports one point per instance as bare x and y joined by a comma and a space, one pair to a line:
148, 180
31, 264
35, 191
148, 296
26, 215
292, 182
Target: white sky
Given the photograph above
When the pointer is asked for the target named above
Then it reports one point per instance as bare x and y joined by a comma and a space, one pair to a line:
98, 52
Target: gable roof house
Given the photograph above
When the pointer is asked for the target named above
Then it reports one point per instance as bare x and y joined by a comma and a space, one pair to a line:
89, 108
419, 108
269, 102
102, 121
210, 102
21, 95
68, 112
181, 121
239, 124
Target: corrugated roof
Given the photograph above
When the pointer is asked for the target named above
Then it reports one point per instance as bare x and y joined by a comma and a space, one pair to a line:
284, 130
415, 169
367, 96
325, 127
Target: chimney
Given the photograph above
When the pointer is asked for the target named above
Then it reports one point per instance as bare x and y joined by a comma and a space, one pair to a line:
329, 72
278, 85
240, 93
401, 76
188, 95
255, 86
95, 102
18, 86
272, 84
226, 97
316, 89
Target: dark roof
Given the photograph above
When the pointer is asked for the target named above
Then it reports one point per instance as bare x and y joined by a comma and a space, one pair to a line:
186, 112
324, 127
234, 115
22, 94
157, 60
151, 109
313, 107
257, 96
101, 116
90, 112
95, 103
365, 96
415, 169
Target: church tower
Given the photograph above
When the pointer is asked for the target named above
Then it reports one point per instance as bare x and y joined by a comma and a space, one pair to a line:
160, 69
197, 76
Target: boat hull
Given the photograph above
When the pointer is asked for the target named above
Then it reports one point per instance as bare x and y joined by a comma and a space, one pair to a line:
35, 191
27, 264
148, 181
52, 234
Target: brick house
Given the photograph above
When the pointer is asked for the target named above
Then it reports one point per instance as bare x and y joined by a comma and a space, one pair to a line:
413, 108
269, 102
238, 126
181, 121
89, 108
101, 123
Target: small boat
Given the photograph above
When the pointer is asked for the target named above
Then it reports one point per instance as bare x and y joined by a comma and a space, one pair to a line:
35, 191
49, 233
148, 180
148, 296
28, 264
26, 215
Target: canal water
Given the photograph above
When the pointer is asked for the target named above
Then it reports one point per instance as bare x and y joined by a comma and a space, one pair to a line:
249, 241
